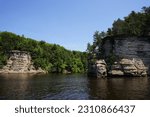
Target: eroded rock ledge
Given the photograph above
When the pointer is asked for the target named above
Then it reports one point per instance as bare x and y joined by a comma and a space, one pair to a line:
130, 56
124, 67
129, 67
20, 62
98, 69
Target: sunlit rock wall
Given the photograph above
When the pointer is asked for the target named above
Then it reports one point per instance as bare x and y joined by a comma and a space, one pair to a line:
20, 62
128, 48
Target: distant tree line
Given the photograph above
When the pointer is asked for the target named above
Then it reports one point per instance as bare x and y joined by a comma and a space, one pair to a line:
135, 24
50, 57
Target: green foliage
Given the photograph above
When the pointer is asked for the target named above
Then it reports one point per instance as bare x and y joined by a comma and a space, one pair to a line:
77, 66
50, 57
111, 59
135, 24
3, 59
95, 50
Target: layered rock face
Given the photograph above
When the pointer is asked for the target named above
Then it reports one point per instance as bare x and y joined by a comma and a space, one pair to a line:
127, 67
20, 62
132, 56
101, 68
98, 69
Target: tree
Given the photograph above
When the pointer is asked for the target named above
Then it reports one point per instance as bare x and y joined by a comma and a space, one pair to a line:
109, 32
119, 27
89, 48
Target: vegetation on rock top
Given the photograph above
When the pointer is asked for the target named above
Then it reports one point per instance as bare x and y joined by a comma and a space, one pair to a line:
135, 24
50, 57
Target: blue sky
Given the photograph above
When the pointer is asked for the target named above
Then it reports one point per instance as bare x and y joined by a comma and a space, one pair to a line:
70, 23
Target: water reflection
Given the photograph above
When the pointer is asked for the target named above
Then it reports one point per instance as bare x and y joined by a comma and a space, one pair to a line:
120, 88
69, 87
14, 85
73, 86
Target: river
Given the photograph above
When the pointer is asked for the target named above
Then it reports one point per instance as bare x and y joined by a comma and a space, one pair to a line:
72, 87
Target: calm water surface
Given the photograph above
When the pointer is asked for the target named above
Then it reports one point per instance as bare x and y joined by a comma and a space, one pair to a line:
73, 86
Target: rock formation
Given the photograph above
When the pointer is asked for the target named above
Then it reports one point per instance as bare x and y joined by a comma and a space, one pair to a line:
20, 62
127, 67
116, 70
130, 56
101, 68
98, 69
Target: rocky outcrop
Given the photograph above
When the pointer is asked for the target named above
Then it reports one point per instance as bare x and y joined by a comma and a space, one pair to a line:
97, 69
20, 62
128, 67
135, 49
101, 68
116, 70
125, 56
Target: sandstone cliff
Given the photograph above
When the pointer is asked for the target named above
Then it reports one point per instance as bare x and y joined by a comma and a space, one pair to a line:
127, 67
20, 62
130, 56
98, 69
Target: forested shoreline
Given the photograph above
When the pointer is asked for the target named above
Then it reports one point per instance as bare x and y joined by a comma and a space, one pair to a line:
52, 58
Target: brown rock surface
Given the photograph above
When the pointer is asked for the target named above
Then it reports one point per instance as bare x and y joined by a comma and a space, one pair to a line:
131, 67
20, 62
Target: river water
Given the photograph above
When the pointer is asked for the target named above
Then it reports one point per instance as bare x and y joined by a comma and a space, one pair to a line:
72, 86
